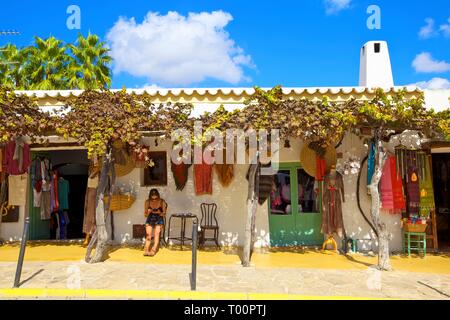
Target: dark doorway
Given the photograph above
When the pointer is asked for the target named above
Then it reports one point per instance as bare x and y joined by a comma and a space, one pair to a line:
441, 184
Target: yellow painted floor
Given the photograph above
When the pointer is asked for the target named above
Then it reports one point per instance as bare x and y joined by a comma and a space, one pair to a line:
273, 258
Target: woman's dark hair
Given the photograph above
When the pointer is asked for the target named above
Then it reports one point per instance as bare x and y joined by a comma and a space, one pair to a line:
152, 192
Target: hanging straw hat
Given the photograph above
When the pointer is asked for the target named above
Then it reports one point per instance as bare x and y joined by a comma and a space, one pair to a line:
308, 159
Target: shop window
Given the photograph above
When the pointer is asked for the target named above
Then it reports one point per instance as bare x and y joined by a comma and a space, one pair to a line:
307, 192
157, 174
294, 183
280, 197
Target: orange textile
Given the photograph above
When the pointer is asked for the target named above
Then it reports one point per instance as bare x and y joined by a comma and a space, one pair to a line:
321, 168
203, 178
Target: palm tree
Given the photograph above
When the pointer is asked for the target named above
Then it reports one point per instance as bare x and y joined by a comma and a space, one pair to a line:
12, 72
46, 64
90, 66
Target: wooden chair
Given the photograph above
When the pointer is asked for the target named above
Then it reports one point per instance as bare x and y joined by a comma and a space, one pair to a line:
209, 222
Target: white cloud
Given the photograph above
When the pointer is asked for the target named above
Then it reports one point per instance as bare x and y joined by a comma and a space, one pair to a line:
445, 28
424, 63
334, 6
427, 31
434, 84
174, 49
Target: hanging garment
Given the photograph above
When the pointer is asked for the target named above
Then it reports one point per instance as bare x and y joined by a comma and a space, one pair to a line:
1, 159
225, 173
55, 193
426, 202
321, 168
333, 196
391, 188
180, 174
203, 178
371, 163
17, 189
16, 160
36, 198
63, 222
63, 194
45, 205
89, 211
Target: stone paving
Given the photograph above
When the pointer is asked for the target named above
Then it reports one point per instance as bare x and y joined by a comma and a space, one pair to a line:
368, 283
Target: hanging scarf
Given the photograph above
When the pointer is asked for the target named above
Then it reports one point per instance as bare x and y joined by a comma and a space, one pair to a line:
18, 152
371, 163
426, 190
180, 174
391, 187
321, 168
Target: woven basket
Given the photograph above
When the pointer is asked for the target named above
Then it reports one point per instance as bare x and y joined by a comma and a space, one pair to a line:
308, 159
414, 227
120, 202
122, 170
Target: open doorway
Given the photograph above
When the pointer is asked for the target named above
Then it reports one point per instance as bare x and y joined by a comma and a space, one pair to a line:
441, 184
63, 218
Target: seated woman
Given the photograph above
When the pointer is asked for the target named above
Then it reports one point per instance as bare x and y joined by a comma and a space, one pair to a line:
155, 210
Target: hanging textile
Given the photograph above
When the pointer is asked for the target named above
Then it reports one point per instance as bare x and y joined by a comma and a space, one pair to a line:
63, 194
426, 202
333, 196
54, 191
203, 178
391, 187
17, 157
45, 205
371, 162
180, 174
225, 173
321, 168
17, 189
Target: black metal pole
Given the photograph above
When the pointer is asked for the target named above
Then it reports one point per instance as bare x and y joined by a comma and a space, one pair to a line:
194, 256
23, 244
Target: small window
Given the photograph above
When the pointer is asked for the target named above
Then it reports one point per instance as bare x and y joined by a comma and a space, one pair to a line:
157, 174
377, 47
363, 49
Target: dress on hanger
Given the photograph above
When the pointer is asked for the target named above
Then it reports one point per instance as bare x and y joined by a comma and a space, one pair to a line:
333, 196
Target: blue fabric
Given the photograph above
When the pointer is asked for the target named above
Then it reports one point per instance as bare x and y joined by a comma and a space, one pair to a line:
154, 219
371, 163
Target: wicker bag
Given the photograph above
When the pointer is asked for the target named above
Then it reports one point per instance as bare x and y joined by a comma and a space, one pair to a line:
120, 202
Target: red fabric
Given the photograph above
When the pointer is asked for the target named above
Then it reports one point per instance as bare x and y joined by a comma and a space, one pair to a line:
10, 165
391, 188
55, 190
397, 187
203, 178
321, 168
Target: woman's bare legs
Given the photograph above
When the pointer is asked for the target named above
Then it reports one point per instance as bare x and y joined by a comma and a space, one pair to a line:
156, 240
148, 237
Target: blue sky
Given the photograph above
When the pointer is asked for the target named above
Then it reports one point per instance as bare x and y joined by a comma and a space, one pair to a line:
245, 43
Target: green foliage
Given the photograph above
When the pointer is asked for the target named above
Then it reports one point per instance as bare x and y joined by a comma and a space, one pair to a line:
50, 64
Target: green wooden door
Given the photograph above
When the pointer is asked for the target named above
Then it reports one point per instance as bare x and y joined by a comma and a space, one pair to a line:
294, 208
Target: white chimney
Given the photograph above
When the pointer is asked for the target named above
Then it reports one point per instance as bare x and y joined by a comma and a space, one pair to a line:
375, 66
